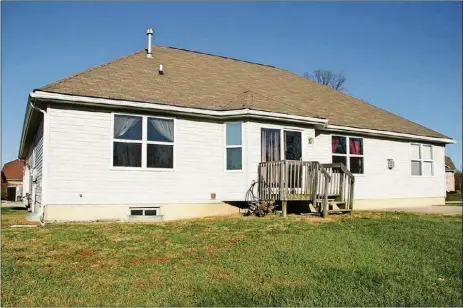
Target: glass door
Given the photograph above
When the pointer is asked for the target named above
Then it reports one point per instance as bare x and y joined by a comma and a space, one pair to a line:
293, 151
293, 145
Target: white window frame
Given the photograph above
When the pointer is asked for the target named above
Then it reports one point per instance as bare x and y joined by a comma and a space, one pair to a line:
421, 160
234, 146
144, 143
157, 209
158, 142
283, 141
348, 155
282, 130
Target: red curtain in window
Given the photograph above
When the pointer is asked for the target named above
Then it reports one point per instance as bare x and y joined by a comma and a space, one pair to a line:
355, 146
334, 144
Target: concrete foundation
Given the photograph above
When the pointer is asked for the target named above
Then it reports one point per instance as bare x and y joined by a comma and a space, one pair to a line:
121, 212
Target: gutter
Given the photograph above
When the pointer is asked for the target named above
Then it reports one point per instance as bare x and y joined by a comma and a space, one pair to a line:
27, 119
319, 123
374, 132
222, 114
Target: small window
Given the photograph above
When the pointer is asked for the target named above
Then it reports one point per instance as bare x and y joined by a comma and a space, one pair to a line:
140, 212
421, 160
135, 212
349, 151
151, 212
234, 147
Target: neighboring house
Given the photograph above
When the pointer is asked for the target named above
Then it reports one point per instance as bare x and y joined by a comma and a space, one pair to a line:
449, 174
176, 133
12, 180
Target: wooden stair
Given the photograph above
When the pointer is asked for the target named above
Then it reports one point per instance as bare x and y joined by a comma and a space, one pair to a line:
334, 204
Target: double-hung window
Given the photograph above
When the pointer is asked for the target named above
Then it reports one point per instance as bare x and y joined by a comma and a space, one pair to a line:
421, 160
143, 142
349, 151
127, 148
234, 145
160, 147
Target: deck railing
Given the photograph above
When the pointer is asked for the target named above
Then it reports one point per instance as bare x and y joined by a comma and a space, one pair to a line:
342, 184
288, 180
293, 180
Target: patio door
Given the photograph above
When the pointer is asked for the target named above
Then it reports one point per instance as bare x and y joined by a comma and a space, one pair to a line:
293, 145
293, 151
270, 144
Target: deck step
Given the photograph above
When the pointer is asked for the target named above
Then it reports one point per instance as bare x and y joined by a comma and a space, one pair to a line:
312, 208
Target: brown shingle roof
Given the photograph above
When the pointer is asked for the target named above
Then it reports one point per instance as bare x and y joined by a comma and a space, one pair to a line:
13, 170
193, 79
449, 164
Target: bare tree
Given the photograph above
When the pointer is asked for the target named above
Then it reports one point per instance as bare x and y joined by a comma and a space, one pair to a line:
458, 180
328, 78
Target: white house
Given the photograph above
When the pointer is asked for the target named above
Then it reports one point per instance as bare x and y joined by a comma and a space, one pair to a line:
172, 133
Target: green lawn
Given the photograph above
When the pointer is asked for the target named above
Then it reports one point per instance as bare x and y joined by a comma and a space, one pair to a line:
454, 197
364, 259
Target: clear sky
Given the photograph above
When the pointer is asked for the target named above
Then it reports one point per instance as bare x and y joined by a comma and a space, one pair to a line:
405, 57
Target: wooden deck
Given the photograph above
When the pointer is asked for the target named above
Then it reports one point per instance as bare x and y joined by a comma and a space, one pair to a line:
326, 187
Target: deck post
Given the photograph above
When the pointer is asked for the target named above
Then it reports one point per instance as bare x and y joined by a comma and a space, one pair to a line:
325, 201
341, 186
284, 205
352, 194
315, 187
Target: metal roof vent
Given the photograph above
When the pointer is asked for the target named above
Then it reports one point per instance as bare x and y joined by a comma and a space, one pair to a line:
161, 71
149, 32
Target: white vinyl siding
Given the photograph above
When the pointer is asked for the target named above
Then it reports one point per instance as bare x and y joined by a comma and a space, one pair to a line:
35, 161
380, 182
80, 164
80, 168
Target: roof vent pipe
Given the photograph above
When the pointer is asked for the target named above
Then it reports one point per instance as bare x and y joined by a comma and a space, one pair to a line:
161, 70
149, 32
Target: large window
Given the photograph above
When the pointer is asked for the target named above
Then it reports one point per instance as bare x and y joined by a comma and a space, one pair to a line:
349, 151
421, 160
234, 146
127, 141
135, 135
160, 149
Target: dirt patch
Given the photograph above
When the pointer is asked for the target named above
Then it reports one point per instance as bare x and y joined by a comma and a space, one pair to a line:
87, 253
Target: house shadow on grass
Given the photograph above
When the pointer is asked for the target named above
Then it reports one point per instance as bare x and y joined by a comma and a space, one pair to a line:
294, 207
14, 208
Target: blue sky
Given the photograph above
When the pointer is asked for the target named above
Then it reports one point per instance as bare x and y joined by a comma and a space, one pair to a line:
405, 57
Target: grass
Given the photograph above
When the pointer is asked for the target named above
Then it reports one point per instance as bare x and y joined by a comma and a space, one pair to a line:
363, 259
454, 197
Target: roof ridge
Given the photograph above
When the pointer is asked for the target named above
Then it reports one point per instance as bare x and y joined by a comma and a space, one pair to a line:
88, 70
219, 56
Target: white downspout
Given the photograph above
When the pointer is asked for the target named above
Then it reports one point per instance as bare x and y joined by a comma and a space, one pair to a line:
41, 213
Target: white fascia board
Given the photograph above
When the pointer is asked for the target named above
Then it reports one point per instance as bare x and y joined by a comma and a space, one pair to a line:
374, 132
27, 118
154, 106
323, 123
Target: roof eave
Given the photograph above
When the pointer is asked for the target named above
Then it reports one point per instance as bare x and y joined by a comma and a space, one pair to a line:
388, 134
319, 123
25, 130
208, 113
